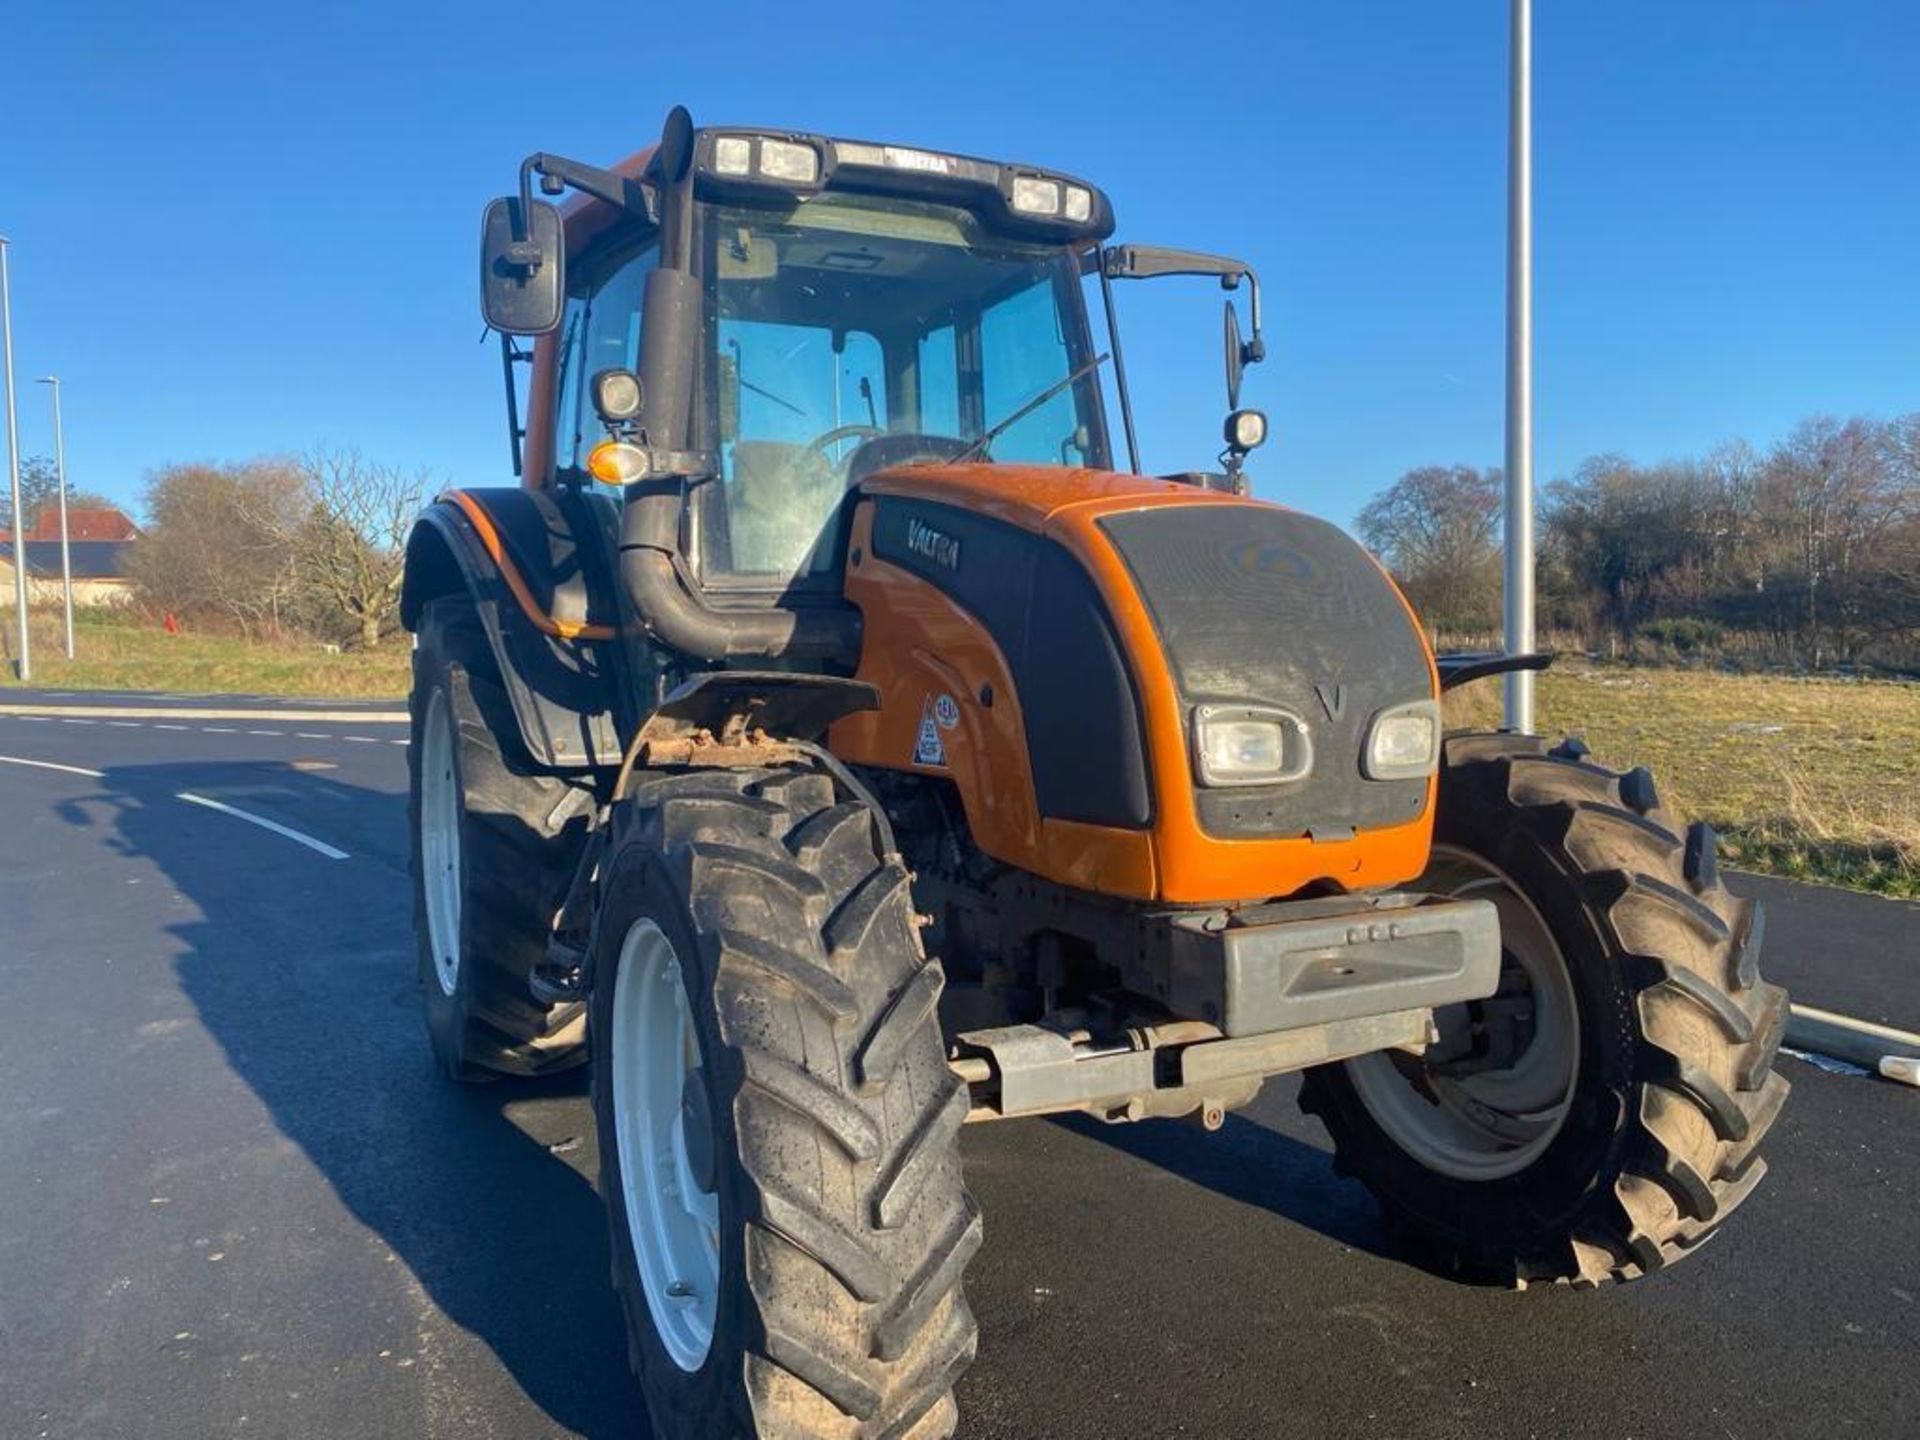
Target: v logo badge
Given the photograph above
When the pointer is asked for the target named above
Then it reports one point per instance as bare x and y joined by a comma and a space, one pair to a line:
1333, 699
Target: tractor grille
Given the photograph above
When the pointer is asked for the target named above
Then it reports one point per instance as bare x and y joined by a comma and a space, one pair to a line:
1260, 606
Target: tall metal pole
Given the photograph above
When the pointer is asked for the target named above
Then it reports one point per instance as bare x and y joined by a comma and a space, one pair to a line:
60, 471
1519, 517
13, 471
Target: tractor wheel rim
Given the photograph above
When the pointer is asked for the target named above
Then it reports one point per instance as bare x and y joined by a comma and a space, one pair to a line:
674, 1224
1493, 1124
440, 842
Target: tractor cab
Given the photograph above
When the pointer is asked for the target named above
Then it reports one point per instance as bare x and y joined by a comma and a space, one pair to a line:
837, 308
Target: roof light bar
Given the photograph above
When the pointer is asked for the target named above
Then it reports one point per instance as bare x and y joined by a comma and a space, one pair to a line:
1026, 200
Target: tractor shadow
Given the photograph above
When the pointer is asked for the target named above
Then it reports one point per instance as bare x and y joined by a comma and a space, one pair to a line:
1254, 1164
303, 971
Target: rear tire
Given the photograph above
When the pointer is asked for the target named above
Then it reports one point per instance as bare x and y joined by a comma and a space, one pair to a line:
816, 1135
1670, 1088
493, 851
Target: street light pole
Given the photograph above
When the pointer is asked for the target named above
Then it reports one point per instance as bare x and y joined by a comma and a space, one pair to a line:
13, 470
1519, 517
60, 472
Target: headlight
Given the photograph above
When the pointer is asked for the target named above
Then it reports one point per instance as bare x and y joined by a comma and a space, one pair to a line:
1403, 743
1243, 745
1246, 430
1033, 195
783, 160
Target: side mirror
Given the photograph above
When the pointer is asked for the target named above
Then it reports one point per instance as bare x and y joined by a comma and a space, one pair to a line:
1236, 357
523, 267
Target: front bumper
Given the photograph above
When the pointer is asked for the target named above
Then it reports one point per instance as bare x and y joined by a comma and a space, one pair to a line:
1308, 962
1261, 991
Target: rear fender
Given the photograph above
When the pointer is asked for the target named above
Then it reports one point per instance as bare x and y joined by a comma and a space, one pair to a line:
539, 570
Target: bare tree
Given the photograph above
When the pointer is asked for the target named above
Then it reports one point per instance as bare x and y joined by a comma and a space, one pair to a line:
1437, 530
217, 546
351, 544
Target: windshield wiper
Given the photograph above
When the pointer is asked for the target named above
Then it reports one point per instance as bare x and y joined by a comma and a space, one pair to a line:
981, 446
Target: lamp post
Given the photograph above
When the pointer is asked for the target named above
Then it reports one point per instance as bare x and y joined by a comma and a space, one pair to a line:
13, 469
60, 474
1519, 516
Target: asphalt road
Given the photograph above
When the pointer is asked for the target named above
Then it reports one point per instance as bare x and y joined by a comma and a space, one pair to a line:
235, 1199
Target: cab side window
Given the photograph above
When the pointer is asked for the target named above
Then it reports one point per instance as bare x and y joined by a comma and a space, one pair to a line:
602, 333
568, 386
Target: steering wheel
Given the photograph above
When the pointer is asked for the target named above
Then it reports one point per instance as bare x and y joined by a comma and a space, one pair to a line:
818, 448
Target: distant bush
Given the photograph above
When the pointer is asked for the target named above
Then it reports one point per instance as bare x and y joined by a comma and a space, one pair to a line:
1687, 634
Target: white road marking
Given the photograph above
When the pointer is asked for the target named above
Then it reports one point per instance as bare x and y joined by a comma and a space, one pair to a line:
362, 739
396, 742
182, 712
170, 727
218, 730
49, 765
76, 722
309, 735
126, 724
320, 846
266, 732
36, 719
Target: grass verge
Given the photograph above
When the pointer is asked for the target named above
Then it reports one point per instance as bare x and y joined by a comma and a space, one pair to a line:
1814, 779
119, 651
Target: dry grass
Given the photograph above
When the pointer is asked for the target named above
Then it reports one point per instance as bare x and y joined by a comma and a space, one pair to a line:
1812, 778
118, 651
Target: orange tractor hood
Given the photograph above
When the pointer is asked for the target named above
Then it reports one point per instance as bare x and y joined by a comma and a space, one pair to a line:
1031, 496
930, 653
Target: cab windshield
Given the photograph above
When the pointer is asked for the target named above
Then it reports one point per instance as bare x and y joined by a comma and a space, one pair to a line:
849, 333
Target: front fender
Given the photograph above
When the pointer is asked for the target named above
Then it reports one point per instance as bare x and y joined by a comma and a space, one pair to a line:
540, 575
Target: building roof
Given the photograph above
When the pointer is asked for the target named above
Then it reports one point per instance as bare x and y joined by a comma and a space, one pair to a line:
102, 522
92, 559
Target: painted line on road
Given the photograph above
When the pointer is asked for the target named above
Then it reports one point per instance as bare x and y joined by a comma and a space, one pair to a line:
49, 765
181, 712
319, 846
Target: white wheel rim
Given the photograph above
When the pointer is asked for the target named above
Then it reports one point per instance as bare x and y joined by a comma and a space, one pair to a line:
1495, 1123
674, 1225
440, 841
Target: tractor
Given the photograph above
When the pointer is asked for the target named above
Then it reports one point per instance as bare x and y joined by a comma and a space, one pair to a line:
829, 743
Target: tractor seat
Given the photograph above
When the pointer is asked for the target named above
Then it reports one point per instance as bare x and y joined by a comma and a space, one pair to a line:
779, 501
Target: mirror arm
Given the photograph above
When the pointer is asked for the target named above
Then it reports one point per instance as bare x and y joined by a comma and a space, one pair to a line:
1149, 262
1119, 364
559, 174
1255, 350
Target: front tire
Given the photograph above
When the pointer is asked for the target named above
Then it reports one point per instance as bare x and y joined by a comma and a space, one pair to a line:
493, 848
778, 1126
1607, 1115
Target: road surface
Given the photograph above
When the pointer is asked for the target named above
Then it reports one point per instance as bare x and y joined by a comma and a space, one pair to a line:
235, 1198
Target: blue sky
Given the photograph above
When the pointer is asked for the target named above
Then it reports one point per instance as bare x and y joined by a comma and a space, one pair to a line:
244, 228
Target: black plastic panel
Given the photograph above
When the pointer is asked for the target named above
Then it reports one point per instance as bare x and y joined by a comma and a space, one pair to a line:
1262, 606
1082, 716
